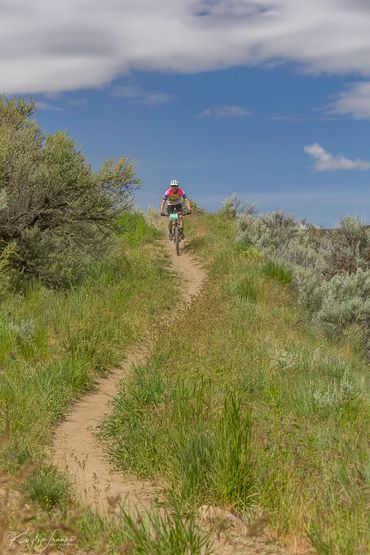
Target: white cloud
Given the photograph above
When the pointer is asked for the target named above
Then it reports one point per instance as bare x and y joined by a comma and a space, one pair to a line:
355, 101
293, 118
324, 161
139, 96
223, 111
49, 45
78, 102
41, 105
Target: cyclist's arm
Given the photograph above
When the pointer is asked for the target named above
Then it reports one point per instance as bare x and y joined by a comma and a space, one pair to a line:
187, 202
163, 203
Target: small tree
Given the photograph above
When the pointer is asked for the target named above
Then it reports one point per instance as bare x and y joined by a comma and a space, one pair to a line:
234, 205
196, 209
53, 206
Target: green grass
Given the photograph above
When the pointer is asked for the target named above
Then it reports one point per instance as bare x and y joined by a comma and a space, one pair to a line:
242, 404
53, 344
277, 272
155, 533
252, 406
48, 487
247, 289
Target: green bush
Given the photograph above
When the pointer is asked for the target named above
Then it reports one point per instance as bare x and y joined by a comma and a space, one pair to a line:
57, 211
330, 268
5, 272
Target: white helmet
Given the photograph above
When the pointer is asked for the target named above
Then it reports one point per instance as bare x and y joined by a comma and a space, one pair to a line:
174, 183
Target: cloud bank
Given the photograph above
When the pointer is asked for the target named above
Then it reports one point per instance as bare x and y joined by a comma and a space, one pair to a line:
48, 45
324, 161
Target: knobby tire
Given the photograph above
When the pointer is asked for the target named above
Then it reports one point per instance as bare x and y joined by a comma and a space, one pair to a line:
177, 240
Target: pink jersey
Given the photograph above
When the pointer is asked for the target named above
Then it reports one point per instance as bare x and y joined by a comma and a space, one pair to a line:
172, 197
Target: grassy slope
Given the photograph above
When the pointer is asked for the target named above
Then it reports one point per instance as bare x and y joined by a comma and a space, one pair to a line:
53, 344
247, 405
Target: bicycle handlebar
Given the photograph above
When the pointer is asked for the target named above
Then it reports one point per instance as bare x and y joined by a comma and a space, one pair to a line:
187, 213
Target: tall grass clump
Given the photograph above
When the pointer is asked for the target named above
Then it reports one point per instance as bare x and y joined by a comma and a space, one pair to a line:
277, 272
233, 478
48, 487
246, 288
170, 428
170, 532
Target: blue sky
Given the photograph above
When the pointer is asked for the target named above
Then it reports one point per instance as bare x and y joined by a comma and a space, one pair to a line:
282, 119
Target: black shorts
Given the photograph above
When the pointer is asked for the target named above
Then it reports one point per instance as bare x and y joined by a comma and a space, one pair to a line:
174, 208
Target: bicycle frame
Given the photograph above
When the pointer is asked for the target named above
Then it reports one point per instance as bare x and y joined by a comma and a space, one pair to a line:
174, 218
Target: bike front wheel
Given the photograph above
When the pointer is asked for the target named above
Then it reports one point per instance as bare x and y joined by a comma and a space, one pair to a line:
177, 240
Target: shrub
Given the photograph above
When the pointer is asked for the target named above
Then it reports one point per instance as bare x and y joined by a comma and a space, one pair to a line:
57, 211
346, 299
5, 262
330, 268
234, 205
269, 231
348, 248
196, 209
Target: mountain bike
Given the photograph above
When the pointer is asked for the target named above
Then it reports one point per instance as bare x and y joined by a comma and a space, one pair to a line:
176, 229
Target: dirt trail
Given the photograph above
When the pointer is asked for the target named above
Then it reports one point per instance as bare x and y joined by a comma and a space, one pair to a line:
97, 484
81, 455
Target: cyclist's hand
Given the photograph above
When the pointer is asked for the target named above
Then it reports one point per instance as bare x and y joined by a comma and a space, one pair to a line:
188, 212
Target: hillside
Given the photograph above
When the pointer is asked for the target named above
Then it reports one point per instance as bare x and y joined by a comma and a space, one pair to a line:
244, 425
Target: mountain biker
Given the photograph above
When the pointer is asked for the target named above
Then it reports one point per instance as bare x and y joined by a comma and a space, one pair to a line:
172, 200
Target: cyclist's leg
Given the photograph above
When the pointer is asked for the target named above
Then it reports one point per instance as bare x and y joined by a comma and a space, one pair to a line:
181, 221
169, 211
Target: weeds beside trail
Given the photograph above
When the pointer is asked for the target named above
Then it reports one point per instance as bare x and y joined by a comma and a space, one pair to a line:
249, 407
53, 344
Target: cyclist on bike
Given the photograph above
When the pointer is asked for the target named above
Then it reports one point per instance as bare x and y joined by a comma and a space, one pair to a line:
172, 200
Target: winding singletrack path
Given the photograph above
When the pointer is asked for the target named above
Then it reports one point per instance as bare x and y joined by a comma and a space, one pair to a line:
97, 485
76, 449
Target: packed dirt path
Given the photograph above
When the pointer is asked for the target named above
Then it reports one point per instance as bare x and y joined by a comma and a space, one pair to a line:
76, 449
